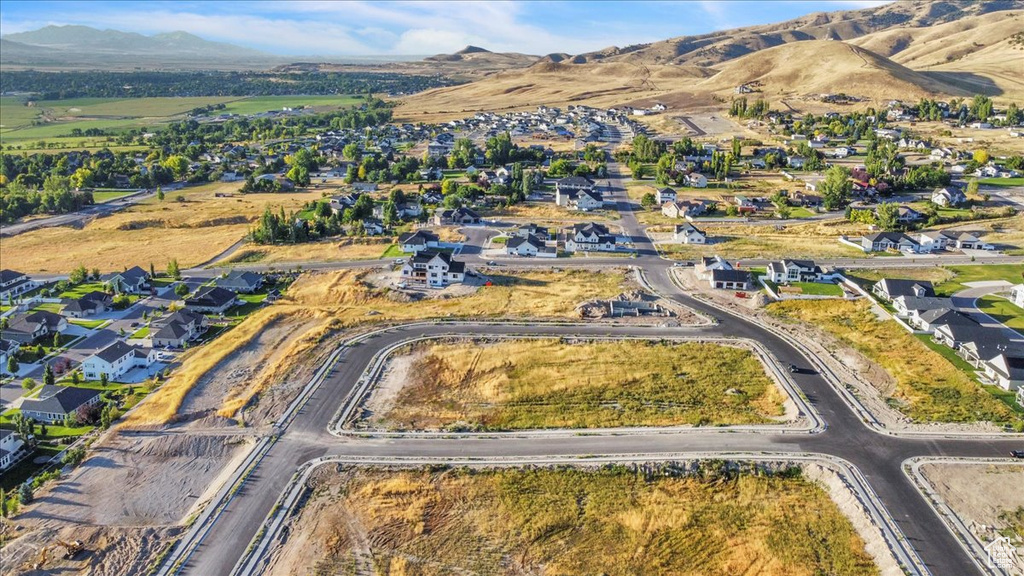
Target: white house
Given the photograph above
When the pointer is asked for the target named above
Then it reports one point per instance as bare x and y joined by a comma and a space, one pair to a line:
433, 269
666, 195
586, 200
10, 448
949, 196
589, 237
689, 234
793, 271
1005, 370
696, 180
1017, 295
529, 245
117, 360
418, 241
14, 284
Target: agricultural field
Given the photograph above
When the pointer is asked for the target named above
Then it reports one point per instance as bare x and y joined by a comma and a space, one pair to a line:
615, 521
193, 230
257, 104
528, 384
926, 387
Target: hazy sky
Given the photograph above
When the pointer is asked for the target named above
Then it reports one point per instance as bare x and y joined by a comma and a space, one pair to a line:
429, 27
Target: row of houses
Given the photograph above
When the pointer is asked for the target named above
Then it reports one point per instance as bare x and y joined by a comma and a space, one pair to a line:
998, 358
920, 242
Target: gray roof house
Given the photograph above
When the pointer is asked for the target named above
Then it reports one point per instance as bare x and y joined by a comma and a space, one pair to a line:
134, 280
241, 281
211, 300
54, 402
889, 288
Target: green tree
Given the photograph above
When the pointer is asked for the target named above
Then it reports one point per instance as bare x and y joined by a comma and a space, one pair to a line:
159, 193
177, 164
181, 290
299, 175
104, 381
448, 187
173, 270
350, 151
836, 188
390, 216
82, 178
49, 379
28, 383
972, 187
56, 340
887, 215
648, 201
12, 365
25, 494
78, 275
107, 416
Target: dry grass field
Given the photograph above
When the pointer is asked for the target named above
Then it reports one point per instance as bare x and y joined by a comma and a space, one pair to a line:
612, 521
528, 384
319, 303
193, 231
327, 251
928, 387
547, 211
816, 239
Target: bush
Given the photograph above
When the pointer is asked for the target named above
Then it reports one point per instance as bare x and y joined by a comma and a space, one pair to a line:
73, 456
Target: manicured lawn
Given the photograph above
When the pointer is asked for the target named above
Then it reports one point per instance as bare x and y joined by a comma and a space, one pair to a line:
393, 251
108, 195
977, 273
819, 288
1003, 310
82, 289
800, 212
90, 324
1002, 181
48, 307
499, 240
141, 332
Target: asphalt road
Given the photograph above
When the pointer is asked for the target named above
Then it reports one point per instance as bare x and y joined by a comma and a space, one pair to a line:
878, 456
79, 217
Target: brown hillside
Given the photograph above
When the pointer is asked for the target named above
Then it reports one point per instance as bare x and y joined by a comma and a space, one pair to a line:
825, 66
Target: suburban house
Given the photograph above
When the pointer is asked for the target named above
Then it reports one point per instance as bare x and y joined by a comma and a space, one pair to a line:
966, 241
684, 208
53, 403
689, 234
572, 184
14, 284
589, 237
1017, 295
784, 271
666, 195
117, 360
8, 348
10, 448
907, 215
585, 200
373, 227
241, 281
280, 179
744, 205
134, 280
576, 192
908, 305
27, 327
696, 180
731, 279
709, 264
533, 230
458, 216
176, 329
94, 302
211, 300
1006, 370
949, 196
418, 240
929, 320
892, 288
932, 241
433, 269
882, 241
529, 245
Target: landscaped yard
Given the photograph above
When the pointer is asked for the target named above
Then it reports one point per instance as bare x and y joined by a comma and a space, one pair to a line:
90, 324
615, 521
818, 288
83, 289
927, 388
1002, 181
524, 384
1003, 310
980, 272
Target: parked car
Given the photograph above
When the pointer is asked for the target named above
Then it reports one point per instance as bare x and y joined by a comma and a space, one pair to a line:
1017, 453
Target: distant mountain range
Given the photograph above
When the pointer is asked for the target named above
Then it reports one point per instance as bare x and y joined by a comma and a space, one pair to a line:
72, 46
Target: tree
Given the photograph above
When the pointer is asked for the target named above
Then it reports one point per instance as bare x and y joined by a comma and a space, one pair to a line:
82, 178
159, 193
299, 175
390, 216
172, 269
350, 151
49, 379
104, 381
972, 187
28, 383
181, 290
107, 416
25, 494
152, 270
12, 365
836, 188
648, 201
56, 340
981, 156
78, 275
888, 214
70, 420
177, 164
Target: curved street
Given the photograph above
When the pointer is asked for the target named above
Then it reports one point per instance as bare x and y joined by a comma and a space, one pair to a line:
226, 535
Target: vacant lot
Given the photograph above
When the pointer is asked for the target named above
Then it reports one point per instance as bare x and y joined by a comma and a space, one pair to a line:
524, 384
928, 388
326, 251
817, 239
986, 497
614, 521
193, 231
547, 211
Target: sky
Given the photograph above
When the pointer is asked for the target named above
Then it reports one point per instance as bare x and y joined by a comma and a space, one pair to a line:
363, 28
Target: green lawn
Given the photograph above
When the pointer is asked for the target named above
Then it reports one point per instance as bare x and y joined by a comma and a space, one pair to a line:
977, 273
82, 289
819, 288
1002, 181
499, 240
140, 333
1003, 310
90, 324
259, 104
48, 307
108, 195
393, 251
800, 212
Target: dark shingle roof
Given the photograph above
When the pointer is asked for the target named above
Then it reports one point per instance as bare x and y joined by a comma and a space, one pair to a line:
61, 401
7, 275
115, 352
732, 276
